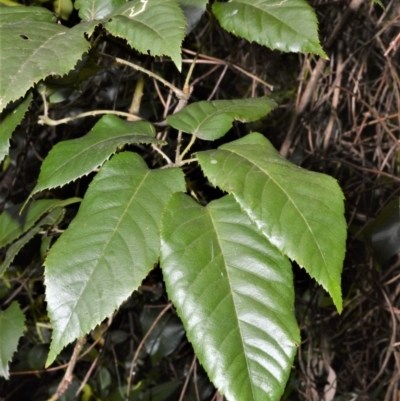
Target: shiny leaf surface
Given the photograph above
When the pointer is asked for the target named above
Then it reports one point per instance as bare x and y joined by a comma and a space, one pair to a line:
234, 293
90, 10
109, 247
287, 25
212, 120
299, 211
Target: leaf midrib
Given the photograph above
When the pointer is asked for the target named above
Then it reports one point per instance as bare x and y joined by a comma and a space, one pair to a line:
289, 198
103, 251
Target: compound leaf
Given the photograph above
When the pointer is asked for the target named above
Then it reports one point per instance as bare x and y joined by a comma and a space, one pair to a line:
156, 26
9, 123
109, 247
234, 293
11, 329
70, 160
90, 10
34, 50
299, 211
286, 25
212, 120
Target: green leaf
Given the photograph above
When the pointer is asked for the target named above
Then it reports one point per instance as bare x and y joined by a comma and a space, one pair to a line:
212, 120
9, 123
287, 25
109, 247
20, 13
165, 336
193, 10
49, 220
70, 160
90, 10
156, 26
11, 329
299, 211
13, 224
234, 293
34, 50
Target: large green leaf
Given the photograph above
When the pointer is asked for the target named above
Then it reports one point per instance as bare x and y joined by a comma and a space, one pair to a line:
13, 223
108, 248
212, 120
11, 329
96, 9
22, 13
287, 25
156, 26
299, 211
9, 123
34, 50
70, 160
234, 293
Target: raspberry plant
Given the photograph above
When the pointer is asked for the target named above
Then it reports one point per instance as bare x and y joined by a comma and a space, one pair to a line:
226, 264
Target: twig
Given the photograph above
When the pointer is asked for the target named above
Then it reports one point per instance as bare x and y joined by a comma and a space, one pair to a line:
68, 377
135, 357
48, 121
179, 93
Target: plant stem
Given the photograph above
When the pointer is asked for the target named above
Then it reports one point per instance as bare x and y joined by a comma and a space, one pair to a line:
47, 120
165, 157
179, 93
137, 97
190, 144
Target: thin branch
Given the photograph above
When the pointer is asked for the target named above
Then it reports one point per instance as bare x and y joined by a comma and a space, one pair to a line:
135, 357
179, 93
48, 121
165, 157
190, 144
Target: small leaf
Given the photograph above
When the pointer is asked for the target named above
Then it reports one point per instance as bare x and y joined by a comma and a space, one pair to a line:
385, 232
109, 247
165, 336
287, 25
234, 293
70, 160
49, 220
193, 10
156, 26
299, 211
9, 123
35, 50
13, 224
90, 10
22, 13
11, 329
212, 120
